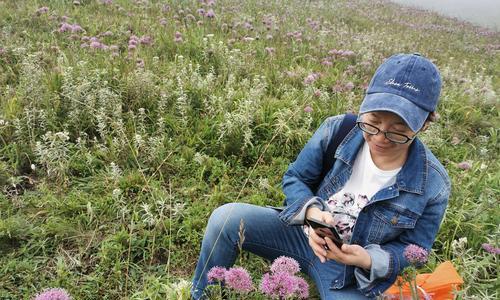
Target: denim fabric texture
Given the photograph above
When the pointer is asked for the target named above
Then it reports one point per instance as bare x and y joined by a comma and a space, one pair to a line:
408, 212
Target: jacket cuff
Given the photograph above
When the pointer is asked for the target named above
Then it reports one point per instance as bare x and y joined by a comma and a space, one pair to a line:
298, 216
379, 269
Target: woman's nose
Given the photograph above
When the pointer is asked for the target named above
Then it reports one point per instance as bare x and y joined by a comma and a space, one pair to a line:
380, 137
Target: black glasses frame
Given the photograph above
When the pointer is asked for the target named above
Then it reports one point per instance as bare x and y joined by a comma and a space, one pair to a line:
386, 133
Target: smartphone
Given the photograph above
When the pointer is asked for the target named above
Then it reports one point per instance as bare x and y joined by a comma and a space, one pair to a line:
325, 230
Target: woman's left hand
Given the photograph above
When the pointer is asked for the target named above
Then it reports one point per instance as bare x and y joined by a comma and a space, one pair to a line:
354, 255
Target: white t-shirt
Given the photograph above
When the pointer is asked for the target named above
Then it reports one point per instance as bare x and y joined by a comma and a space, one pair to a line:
365, 181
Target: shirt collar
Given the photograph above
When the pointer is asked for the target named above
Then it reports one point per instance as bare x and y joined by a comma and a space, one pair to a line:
413, 174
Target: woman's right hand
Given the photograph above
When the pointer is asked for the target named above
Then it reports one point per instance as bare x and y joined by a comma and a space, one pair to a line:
316, 242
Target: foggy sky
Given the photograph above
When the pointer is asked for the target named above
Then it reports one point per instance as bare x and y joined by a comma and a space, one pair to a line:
480, 12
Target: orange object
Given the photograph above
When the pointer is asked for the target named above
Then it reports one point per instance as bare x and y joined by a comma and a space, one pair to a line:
439, 285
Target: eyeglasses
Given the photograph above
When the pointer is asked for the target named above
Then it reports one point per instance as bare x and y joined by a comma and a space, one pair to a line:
394, 137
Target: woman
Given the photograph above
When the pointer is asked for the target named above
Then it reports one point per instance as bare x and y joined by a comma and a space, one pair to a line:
386, 190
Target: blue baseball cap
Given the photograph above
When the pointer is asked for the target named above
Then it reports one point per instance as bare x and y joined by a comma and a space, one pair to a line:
407, 85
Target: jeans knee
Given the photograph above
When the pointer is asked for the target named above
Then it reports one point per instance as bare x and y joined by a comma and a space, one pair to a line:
222, 219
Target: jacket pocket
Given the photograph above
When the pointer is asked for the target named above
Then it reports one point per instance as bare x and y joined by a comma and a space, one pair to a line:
389, 221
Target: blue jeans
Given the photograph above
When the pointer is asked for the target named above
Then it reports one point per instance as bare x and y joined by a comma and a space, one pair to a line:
265, 236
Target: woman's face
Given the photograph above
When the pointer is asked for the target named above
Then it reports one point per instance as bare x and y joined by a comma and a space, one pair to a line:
379, 145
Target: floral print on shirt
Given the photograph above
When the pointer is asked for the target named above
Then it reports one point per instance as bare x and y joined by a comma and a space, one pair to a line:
345, 209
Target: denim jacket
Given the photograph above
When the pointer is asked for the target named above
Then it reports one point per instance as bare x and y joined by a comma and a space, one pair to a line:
408, 212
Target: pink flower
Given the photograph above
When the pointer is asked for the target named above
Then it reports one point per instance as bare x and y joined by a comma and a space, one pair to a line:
96, 45
76, 28
140, 63
415, 255
279, 285
107, 2
465, 165
146, 40
42, 10
317, 93
302, 288
490, 248
311, 78
269, 50
308, 109
177, 37
165, 8
239, 280
53, 294
349, 86
247, 25
65, 27
284, 263
163, 21
201, 12
216, 274
210, 14
327, 63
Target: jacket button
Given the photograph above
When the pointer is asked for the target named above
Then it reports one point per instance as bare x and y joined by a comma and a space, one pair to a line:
394, 220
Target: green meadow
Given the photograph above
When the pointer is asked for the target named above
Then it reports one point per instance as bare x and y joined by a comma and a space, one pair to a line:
123, 124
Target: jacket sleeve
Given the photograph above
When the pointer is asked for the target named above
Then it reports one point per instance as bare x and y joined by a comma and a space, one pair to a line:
305, 172
392, 261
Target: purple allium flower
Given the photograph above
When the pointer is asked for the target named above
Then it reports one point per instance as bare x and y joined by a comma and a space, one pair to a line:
96, 45
201, 12
317, 93
108, 2
177, 37
76, 28
163, 21
216, 274
210, 14
349, 86
146, 40
269, 50
302, 288
140, 63
284, 263
42, 10
65, 27
106, 33
165, 8
465, 165
248, 26
308, 109
279, 285
490, 248
239, 280
415, 255
327, 63
311, 78
53, 294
